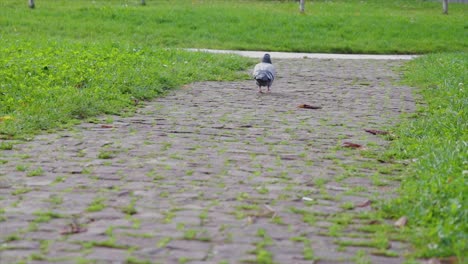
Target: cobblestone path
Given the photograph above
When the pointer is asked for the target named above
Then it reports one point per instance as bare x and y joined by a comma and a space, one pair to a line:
214, 173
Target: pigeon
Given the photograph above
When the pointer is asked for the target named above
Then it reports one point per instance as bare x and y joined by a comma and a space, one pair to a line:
264, 73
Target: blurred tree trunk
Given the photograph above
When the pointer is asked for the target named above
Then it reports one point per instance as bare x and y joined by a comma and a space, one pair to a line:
445, 6
31, 4
302, 6
143, 2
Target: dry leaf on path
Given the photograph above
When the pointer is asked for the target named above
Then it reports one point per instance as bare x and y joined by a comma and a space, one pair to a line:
376, 132
306, 106
374, 222
365, 203
73, 228
352, 145
107, 126
448, 260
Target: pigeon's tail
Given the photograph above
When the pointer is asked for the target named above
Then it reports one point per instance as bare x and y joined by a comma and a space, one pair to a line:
264, 78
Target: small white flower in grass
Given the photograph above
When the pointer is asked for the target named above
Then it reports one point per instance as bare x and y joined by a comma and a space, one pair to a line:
433, 246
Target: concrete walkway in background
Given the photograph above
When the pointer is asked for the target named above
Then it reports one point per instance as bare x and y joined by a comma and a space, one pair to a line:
293, 55
215, 173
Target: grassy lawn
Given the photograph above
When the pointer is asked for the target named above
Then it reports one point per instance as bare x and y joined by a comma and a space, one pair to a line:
69, 60
434, 191
346, 26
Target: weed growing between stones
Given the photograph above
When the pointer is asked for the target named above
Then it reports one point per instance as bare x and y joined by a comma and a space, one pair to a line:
135, 260
20, 191
2, 217
130, 208
55, 199
36, 172
98, 204
307, 216
21, 167
106, 155
262, 255
109, 243
347, 205
361, 257
42, 217
163, 242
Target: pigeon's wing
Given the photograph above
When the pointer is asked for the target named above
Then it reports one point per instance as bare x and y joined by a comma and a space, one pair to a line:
257, 69
271, 68
271, 72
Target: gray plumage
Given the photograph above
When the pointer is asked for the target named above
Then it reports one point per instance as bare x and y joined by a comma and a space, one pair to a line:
264, 73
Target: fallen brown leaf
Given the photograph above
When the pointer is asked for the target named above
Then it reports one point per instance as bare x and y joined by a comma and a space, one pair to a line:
401, 222
376, 132
365, 203
73, 228
107, 126
306, 106
375, 222
351, 145
266, 212
448, 260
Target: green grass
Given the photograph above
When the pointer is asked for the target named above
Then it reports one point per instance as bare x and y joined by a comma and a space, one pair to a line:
6, 146
348, 26
434, 190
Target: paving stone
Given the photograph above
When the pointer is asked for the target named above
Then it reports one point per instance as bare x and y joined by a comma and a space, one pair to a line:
14, 255
139, 242
64, 247
229, 251
108, 254
9, 227
44, 235
188, 254
23, 244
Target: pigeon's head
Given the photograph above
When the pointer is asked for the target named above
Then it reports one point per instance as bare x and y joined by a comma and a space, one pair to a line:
266, 58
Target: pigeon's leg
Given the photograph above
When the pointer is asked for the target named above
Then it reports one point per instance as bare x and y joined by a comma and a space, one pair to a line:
260, 89
268, 89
